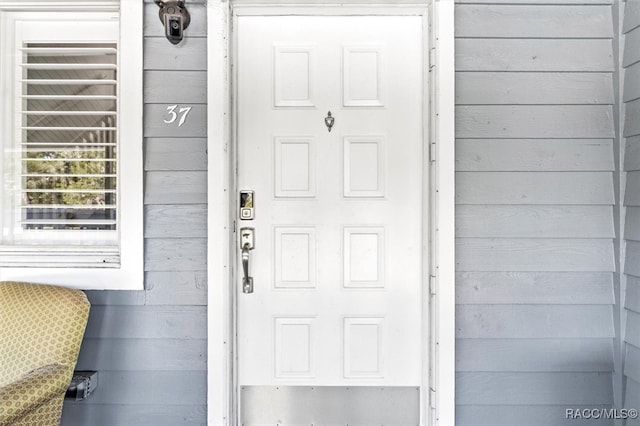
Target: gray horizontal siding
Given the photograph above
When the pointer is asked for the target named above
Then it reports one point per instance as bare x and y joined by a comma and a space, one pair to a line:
534, 121
534, 288
578, 188
514, 355
177, 288
538, 22
489, 54
534, 321
632, 366
633, 327
147, 354
632, 157
168, 154
552, 88
82, 414
631, 131
524, 415
571, 388
175, 187
175, 254
632, 396
538, 2
534, 155
631, 16
631, 53
162, 288
149, 387
632, 195
632, 127
150, 346
537, 221
529, 254
175, 86
535, 256
140, 322
175, 221
189, 55
632, 82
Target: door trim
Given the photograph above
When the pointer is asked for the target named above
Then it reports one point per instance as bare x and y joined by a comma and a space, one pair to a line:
438, 406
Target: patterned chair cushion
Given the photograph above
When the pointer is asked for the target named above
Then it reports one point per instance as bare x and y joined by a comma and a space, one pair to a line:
41, 330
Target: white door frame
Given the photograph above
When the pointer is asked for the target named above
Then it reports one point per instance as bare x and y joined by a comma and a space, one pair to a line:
438, 407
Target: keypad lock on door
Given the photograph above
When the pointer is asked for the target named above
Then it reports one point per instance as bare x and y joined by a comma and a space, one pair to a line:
247, 203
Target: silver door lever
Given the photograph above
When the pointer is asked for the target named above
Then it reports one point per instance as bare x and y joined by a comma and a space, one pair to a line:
247, 243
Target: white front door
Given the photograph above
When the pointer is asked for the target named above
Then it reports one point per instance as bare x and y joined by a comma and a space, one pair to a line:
330, 127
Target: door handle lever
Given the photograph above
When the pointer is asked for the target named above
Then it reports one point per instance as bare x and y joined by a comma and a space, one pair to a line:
247, 281
247, 242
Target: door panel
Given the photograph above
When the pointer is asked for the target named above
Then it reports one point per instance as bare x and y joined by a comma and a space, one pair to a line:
338, 214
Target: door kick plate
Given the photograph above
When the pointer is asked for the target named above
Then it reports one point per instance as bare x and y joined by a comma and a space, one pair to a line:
330, 405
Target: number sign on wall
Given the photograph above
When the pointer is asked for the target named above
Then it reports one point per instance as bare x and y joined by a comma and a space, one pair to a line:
183, 112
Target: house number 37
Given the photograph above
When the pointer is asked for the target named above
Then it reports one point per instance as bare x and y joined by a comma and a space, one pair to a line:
173, 115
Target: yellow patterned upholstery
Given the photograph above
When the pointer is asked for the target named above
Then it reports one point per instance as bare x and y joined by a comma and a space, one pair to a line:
41, 330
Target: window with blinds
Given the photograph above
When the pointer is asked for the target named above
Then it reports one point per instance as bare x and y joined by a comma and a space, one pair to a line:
61, 171
68, 138
71, 163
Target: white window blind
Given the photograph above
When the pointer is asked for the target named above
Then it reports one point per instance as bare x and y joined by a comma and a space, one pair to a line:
68, 136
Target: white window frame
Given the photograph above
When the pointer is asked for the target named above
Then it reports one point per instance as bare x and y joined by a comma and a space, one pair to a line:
44, 26
128, 273
441, 341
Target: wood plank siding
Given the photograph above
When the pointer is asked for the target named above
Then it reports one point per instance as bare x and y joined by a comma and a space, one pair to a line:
535, 230
534, 217
631, 201
150, 346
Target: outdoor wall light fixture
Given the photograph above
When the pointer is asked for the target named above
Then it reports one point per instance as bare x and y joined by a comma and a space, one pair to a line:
175, 18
